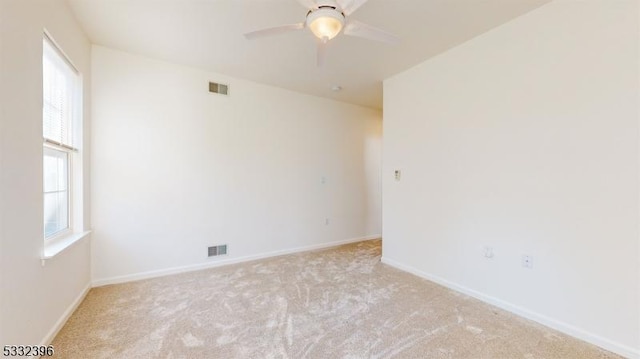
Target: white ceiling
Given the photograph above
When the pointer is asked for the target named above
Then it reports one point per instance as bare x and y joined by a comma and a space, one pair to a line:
208, 34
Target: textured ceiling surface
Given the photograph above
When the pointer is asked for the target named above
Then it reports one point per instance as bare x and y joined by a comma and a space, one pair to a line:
208, 34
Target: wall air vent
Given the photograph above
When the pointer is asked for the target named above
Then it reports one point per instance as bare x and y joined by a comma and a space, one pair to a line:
217, 250
218, 88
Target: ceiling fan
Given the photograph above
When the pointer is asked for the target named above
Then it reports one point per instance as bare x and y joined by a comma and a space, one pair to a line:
326, 19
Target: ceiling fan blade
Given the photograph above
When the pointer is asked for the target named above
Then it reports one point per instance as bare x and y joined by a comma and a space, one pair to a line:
359, 29
274, 31
322, 52
308, 4
350, 6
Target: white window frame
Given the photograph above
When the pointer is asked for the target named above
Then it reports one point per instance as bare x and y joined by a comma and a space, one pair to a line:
69, 189
74, 231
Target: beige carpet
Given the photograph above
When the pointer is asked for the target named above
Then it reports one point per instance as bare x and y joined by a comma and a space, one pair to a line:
336, 303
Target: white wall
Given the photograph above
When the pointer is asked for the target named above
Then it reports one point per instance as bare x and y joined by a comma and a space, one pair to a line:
34, 298
177, 169
525, 139
373, 178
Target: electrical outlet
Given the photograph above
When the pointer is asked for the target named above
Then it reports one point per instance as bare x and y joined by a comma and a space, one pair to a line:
527, 261
397, 174
326, 221
488, 252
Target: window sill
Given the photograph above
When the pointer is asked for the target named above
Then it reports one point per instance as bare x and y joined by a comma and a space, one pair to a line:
58, 245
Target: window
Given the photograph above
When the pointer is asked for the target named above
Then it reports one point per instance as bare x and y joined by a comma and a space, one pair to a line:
56, 191
61, 111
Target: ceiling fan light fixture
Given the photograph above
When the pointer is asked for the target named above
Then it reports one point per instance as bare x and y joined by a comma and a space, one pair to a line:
325, 23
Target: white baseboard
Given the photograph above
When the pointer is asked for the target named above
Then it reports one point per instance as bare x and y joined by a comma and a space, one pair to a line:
65, 316
200, 266
568, 329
